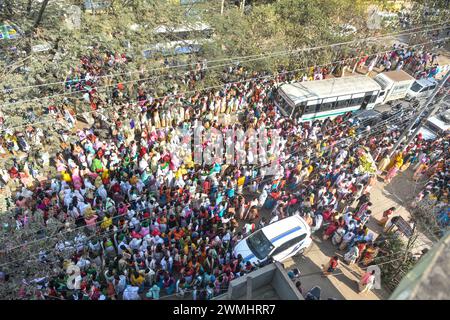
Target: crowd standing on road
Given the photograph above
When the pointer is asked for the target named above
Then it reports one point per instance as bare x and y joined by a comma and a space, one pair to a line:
132, 216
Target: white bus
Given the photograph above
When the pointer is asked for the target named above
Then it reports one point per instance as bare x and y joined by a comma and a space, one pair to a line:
311, 100
185, 39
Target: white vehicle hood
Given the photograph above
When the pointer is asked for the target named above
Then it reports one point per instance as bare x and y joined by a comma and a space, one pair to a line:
243, 249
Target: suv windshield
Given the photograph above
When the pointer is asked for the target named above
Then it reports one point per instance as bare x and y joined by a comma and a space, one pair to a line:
416, 87
259, 244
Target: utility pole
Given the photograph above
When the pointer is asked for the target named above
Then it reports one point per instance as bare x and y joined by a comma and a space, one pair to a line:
425, 107
243, 5
40, 14
29, 4
430, 114
221, 7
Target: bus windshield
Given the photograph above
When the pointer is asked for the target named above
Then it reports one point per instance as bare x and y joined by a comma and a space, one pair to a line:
283, 105
259, 244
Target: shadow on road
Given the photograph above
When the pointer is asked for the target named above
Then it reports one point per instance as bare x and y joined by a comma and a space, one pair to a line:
373, 225
311, 276
403, 189
352, 284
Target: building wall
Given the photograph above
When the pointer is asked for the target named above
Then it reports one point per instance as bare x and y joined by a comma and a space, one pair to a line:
284, 285
260, 277
272, 274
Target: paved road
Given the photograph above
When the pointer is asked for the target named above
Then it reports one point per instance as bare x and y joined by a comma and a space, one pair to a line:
343, 284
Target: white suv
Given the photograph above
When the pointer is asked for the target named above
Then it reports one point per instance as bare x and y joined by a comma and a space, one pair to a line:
279, 241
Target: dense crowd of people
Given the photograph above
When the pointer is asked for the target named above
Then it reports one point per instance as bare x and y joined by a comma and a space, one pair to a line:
135, 216
420, 63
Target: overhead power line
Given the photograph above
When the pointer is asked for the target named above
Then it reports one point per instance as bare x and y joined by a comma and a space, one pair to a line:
213, 87
261, 56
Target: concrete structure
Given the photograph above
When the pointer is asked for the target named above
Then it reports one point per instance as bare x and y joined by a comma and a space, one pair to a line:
268, 283
428, 280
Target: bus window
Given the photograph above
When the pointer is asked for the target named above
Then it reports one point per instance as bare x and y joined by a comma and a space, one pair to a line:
356, 102
373, 99
342, 104
282, 104
311, 109
327, 106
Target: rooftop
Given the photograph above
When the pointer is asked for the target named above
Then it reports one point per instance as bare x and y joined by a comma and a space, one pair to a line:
398, 75
311, 90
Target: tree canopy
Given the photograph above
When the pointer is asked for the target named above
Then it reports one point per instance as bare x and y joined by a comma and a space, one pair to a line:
125, 26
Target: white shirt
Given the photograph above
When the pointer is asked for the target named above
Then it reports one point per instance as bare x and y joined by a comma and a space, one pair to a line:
102, 192
119, 249
82, 207
226, 237
143, 164
135, 243
131, 293
83, 263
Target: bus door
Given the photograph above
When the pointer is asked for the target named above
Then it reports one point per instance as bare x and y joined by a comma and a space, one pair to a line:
298, 111
366, 100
